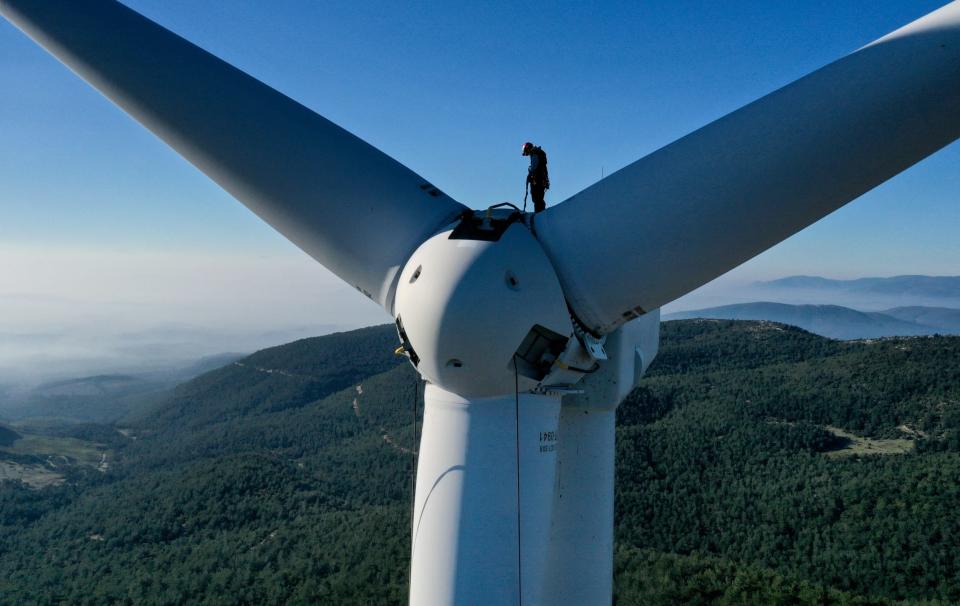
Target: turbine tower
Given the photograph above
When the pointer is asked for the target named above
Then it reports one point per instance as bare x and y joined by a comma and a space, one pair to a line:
528, 329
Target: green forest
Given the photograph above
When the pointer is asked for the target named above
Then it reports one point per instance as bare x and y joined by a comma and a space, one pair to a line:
756, 464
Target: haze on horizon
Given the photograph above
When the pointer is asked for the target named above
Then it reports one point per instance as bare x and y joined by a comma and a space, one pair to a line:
114, 250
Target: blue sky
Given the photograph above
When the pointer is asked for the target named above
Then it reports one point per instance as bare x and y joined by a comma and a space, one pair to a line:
451, 90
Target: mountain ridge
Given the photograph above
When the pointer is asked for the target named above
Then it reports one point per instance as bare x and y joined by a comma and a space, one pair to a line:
836, 321
912, 284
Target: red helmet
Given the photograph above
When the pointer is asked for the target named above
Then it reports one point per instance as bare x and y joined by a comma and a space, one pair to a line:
526, 148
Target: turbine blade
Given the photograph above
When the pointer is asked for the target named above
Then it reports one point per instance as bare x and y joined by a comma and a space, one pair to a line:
699, 207
348, 205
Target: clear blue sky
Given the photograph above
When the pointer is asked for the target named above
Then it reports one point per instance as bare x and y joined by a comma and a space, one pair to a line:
452, 90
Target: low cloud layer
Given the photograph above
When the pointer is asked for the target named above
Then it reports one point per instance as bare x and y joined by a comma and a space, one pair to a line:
67, 312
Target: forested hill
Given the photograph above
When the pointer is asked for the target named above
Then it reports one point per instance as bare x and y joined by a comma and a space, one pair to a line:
8, 436
757, 464
278, 378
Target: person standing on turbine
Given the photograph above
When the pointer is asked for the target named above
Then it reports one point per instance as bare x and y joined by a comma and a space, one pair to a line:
537, 177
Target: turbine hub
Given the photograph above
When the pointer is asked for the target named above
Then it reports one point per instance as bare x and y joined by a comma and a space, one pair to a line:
471, 296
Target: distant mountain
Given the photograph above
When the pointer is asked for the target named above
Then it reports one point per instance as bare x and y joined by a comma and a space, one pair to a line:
947, 287
98, 399
179, 374
99, 385
865, 294
838, 322
104, 398
942, 317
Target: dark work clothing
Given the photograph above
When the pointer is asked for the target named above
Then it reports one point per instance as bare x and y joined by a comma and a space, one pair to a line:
536, 192
537, 173
538, 178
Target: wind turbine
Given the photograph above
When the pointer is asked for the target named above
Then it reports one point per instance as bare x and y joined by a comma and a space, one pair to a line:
529, 330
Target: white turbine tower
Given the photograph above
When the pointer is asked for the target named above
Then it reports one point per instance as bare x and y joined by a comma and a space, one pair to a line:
529, 330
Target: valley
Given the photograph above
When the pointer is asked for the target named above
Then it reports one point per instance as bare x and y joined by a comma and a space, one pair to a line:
293, 486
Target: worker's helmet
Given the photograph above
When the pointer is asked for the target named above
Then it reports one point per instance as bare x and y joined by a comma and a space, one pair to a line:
526, 148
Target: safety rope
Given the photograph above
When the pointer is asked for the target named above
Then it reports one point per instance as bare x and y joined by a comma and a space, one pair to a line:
414, 451
413, 469
516, 399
